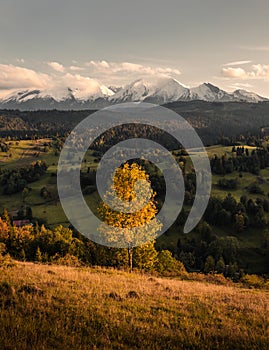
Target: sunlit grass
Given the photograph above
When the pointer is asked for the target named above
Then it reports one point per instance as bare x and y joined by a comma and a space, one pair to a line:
85, 308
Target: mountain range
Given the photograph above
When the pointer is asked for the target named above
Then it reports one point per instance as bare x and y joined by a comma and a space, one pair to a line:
158, 90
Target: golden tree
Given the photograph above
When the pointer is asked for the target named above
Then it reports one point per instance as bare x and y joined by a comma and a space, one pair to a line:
132, 228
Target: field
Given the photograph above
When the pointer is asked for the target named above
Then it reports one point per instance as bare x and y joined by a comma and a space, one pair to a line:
57, 307
243, 182
23, 154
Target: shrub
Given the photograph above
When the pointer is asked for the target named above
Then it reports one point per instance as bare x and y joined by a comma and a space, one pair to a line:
255, 189
167, 265
228, 184
67, 260
254, 281
5, 260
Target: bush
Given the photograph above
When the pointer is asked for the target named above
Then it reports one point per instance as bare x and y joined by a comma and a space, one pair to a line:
167, 265
67, 260
6, 261
144, 257
211, 278
228, 184
255, 189
254, 281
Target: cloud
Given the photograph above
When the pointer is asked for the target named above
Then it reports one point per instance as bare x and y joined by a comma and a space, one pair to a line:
115, 72
255, 48
241, 85
98, 64
84, 81
257, 71
58, 67
236, 63
82, 87
260, 71
20, 60
76, 68
231, 72
14, 77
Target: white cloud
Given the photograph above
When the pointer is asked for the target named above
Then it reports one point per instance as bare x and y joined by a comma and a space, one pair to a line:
257, 71
260, 71
117, 72
20, 60
241, 86
14, 77
81, 86
255, 48
84, 81
236, 63
232, 72
58, 67
98, 64
76, 68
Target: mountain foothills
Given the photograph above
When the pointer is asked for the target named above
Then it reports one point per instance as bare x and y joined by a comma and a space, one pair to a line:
212, 120
159, 90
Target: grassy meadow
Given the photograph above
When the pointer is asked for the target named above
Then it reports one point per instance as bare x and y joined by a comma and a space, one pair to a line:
58, 307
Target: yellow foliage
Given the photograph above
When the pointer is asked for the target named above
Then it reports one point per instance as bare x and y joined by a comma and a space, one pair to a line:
125, 180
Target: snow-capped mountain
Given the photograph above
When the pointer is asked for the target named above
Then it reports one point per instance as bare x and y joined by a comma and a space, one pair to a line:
115, 88
246, 96
210, 93
64, 98
165, 90
159, 90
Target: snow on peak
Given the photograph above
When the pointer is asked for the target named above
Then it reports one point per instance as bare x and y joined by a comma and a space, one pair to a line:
159, 89
247, 96
106, 91
59, 94
79, 93
19, 96
209, 92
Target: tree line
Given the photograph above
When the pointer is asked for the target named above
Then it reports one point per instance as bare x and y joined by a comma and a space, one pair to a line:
15, 180
38, 243
243, 160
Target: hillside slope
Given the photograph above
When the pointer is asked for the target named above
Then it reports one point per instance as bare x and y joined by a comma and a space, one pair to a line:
53, 307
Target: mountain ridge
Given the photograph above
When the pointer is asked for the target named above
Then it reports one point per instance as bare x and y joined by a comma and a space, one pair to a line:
157, 90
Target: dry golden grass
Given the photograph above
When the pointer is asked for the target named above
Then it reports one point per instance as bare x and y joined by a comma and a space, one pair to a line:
84, 308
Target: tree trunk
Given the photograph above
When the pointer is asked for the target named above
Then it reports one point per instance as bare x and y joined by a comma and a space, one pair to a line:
130, 258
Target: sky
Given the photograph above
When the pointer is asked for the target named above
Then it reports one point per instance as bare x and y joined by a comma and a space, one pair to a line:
48, 44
